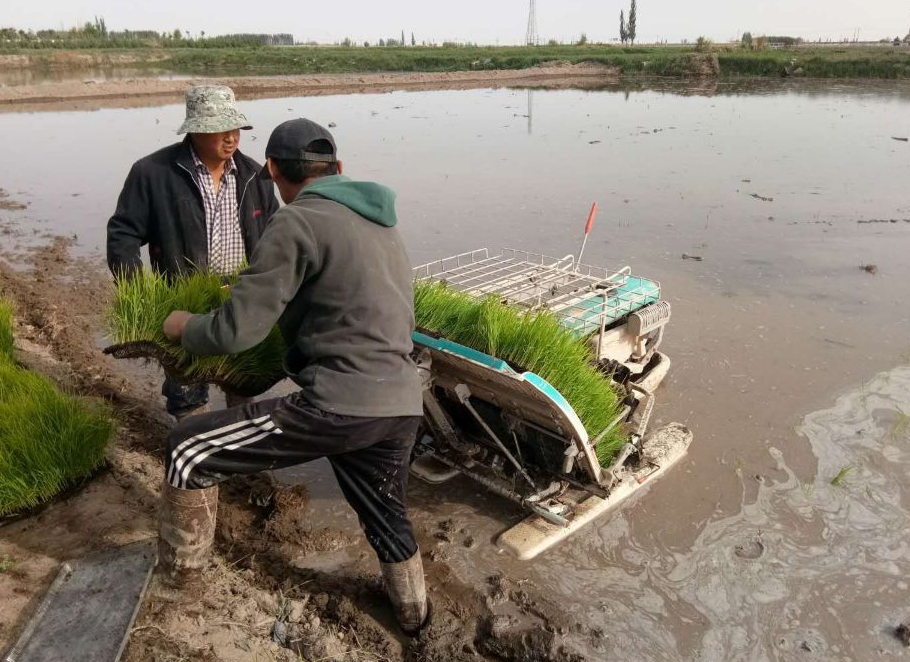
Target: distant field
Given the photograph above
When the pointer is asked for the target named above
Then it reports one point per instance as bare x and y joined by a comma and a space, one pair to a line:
817, 62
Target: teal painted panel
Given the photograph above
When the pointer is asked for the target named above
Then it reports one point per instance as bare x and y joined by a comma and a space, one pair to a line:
559, 401
634, 294
444, 345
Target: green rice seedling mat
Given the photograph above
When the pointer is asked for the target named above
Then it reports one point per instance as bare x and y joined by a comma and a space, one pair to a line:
49, 439
537, 342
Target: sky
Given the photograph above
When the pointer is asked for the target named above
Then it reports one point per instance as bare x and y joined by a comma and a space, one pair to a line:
481, 21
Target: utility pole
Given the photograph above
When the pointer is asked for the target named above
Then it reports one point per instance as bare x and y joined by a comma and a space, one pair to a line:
531, 35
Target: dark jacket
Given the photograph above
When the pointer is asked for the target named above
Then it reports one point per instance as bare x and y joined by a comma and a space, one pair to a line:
332, 271
160, 205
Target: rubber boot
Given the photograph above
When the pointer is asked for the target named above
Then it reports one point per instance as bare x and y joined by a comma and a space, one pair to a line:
406, 588
186, 531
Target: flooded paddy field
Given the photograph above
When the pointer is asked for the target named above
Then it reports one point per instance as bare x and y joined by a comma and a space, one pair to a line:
782, 535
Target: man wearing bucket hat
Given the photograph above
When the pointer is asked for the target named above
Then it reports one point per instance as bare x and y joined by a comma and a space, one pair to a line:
332, 272
197, 204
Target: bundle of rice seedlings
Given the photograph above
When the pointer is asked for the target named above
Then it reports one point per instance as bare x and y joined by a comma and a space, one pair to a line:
529, 341
535, 342
48, 439
135, 321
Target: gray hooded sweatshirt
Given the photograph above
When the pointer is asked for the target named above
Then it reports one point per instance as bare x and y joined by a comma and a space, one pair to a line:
332, 271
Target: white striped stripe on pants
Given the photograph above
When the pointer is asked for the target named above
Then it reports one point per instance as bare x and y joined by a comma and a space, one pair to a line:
196, 449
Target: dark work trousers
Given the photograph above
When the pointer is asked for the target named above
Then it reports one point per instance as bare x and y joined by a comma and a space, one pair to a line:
370, 457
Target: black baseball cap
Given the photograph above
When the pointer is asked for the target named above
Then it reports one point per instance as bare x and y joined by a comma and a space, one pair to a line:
300, 140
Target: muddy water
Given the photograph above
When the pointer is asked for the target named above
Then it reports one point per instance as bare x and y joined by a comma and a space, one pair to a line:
784, 190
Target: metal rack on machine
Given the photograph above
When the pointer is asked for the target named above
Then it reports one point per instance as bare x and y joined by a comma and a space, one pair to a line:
584, 297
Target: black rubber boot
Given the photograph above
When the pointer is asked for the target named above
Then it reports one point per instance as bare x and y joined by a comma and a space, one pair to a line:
406, 588
186, 532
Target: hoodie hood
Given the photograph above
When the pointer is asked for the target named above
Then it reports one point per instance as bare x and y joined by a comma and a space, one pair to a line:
374, 202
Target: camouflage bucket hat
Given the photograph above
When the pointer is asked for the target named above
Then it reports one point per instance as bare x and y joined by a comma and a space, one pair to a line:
212, 109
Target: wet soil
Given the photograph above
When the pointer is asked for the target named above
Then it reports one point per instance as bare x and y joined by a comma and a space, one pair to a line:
78, 95
274, 589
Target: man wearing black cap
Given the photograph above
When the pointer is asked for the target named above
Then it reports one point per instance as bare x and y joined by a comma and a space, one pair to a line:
332, 271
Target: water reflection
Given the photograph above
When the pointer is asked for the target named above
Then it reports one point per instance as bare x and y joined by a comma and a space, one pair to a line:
530, 112
36, 76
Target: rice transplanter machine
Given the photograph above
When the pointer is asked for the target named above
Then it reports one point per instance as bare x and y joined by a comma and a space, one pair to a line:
512, 431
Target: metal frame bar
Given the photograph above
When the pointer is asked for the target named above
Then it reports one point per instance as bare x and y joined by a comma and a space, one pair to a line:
534, 280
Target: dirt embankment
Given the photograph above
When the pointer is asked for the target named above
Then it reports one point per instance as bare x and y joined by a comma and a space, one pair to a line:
79, 59
74, 95
260, 601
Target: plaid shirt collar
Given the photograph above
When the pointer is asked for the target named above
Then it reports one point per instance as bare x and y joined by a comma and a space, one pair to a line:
229, 168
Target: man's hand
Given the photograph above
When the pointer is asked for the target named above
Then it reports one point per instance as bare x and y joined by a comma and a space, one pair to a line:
176, 323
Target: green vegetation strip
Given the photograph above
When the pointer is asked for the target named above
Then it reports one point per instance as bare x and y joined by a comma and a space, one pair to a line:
136, 318
48, 439
322, 60
535, 342
213, 57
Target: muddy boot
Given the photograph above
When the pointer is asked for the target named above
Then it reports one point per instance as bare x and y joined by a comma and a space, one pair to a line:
202, 409
407, 591
186, 530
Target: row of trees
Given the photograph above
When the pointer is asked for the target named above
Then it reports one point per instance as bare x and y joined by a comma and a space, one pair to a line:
281, 39
391, 41
758, 43
94, 34
627, 29
135, 39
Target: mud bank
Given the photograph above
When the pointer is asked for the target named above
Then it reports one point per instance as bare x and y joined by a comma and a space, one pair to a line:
147, 92
74, 59
262, 602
